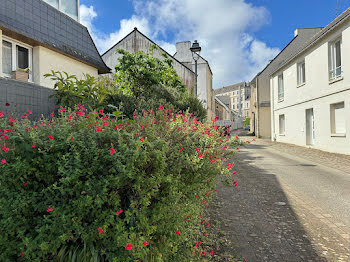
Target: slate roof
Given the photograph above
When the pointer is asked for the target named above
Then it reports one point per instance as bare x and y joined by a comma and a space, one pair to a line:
315, 37
230, 88
224, 99
46, 25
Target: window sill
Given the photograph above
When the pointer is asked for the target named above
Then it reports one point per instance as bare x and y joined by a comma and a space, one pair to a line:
334, 80
282, 135
300, 85
338, 135
280, 100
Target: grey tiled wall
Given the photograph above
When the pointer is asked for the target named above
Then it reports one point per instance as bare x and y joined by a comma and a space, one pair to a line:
22, 96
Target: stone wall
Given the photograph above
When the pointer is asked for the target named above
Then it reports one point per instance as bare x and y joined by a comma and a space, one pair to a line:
22, 96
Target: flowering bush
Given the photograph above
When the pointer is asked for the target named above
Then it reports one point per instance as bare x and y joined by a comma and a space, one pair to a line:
91, 187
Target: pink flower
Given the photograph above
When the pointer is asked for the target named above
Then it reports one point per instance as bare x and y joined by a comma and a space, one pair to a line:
234, 172
49, 210
197, 150
119, 212
178, 232
3, 162
25, 116
99, 230
128, 247
225, 147
72, 138
181, 149
33, 146
207, 225
229, 166
99, 129
6, 136
51, 137
145, 243
1, 114
112, 150
141, 139
29, 112
212, 252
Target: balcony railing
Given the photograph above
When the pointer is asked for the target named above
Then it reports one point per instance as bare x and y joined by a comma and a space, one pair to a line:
335, 73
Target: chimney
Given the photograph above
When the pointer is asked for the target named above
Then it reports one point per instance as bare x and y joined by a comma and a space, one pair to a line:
183, 52
296, 32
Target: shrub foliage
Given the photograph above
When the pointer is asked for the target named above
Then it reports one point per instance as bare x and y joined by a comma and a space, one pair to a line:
94, 187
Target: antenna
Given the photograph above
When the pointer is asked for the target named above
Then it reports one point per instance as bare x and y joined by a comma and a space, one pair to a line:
337, 7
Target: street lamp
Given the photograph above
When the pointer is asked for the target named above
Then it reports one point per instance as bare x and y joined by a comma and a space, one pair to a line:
195, 49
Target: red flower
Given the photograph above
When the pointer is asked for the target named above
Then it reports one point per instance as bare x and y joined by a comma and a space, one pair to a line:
128, 247
99, 129
51, 137
33, 146
178, 232
72, 138
229, 166
3, 162
112, 150
141, 139
207, 225
99, 230
25, 116
203, 222
26, 183
145, 243
6, 149
212, 252
7, 104
196, 196
119, 212
29, 112
197, 150
22, 254
49, 210
225, 147
234, 172
1, 114
181, 149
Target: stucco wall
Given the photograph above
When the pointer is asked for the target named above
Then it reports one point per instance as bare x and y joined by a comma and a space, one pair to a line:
317, 93
0, 52
137, 42
45, 60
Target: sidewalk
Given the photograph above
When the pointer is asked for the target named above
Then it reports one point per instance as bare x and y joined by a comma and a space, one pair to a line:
333, 160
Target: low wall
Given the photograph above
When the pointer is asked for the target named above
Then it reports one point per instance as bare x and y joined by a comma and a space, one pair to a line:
22, 96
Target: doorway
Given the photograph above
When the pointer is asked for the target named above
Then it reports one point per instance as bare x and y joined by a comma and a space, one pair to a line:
310, 127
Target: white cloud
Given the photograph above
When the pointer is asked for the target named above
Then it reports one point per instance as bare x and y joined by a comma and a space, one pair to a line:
225, 30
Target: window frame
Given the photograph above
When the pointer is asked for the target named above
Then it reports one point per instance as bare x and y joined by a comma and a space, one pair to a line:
284, 125
300, 73
333, 59
333, 121
60, 9
15, 57
280, 87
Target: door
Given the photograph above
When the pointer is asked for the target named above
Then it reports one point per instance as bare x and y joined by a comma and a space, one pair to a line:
310, 127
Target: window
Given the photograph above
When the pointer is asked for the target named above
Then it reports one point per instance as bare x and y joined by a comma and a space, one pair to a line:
15, 56
69, 7
335, 60
280, 88
233, 106
282, 127
338, 123
247, 105
301, 72
6, 58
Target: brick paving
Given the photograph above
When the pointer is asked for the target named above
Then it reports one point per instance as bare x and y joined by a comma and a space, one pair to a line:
265, 220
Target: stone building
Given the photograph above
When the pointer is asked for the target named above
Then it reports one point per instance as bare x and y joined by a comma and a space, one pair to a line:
239, 99
35, 38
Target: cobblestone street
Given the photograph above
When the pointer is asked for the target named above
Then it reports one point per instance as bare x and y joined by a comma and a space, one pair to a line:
292, 204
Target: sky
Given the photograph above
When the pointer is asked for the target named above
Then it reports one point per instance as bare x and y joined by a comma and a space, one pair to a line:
238, 37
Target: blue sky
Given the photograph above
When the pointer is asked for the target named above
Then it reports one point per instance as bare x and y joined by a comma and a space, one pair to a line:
238, 37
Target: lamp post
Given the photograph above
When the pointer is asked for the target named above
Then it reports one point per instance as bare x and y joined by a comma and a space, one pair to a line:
195, 49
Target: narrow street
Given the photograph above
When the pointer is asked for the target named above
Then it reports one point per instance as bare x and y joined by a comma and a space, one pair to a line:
292, 204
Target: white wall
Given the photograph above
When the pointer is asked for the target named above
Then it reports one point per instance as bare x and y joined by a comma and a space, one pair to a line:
317, 93
0, 52
45, 60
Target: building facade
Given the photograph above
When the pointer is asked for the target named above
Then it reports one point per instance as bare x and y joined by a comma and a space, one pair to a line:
136, 41
260, 112
36, 38
239, 95
205, 90
310, 92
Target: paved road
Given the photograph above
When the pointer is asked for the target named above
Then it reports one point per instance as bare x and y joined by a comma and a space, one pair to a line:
287, 207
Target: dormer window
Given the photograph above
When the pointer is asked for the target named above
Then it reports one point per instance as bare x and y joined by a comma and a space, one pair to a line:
69, 7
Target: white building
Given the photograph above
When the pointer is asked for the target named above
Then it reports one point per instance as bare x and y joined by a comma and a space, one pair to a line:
205, 90
310, 92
